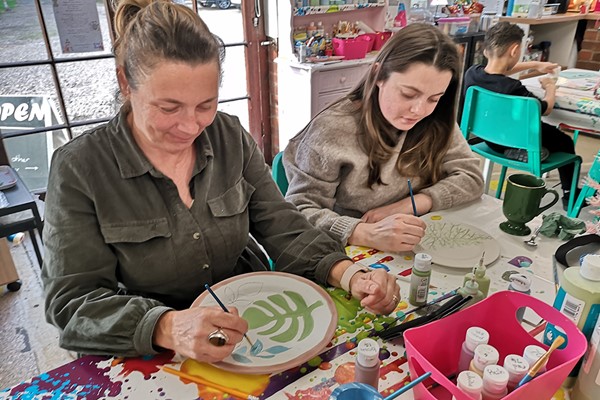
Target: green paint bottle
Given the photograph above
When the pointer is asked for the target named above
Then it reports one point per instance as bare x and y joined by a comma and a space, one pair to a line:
480, 277
419, 280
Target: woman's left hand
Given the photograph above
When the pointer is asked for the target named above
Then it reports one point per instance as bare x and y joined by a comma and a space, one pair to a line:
377, 214
377, 291
546, 67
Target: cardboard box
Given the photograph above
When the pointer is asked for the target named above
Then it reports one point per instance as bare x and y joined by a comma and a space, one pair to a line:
8, 272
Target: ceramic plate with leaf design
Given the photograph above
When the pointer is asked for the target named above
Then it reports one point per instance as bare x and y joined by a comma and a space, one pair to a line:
290, 319
457, 245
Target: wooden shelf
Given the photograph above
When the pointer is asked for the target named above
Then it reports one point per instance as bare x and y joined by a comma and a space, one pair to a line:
333, 8
551, 19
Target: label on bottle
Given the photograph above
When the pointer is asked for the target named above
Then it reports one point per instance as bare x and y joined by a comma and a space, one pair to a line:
422, 289
592, 351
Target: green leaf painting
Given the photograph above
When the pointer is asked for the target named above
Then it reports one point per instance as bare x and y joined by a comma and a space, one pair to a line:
285, 316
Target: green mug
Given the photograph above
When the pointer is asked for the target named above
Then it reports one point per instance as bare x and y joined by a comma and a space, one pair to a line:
522, 200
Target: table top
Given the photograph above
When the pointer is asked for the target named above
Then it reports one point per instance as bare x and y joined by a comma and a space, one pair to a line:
575, 104
101, 377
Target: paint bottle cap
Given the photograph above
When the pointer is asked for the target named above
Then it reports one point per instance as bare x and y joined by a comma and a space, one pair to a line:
471, 287
422, 262
479, 271
590, 268
470, 383
532, 353
485, 355
516, 366
495, 378
476, 336
520, 283
368, 353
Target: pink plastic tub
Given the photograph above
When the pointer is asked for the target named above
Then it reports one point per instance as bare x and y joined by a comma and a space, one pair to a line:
436, 346
371, 41
351, 49
380, 39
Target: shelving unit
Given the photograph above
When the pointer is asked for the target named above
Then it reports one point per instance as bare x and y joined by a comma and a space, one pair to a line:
304, 89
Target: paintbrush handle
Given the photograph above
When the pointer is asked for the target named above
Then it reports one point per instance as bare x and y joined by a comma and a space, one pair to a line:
214, 295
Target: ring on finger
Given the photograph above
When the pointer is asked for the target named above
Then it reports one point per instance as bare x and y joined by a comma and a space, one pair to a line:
395, 299
218, 338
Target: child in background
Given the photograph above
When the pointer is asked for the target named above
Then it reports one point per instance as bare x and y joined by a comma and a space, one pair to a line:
502, 47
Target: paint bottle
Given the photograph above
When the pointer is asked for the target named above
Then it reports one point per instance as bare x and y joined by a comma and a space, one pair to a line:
587, 386
471, 288
419, 280
483, 356
367, 364
16, 238
579, 300
532, 353
478, 274
473, 338
517, 368
520, 283
495, 379
470, 383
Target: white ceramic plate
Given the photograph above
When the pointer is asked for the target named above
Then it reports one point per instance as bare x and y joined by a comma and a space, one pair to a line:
457, 245
292, 318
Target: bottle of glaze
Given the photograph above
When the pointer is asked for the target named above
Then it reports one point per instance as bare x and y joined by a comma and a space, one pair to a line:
366, 368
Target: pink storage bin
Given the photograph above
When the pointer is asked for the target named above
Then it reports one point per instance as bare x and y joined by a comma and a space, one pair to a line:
370, 38
436, 346
380, 39
351, 49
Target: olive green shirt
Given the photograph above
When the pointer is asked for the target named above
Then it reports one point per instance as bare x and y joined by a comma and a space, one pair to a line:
122, 248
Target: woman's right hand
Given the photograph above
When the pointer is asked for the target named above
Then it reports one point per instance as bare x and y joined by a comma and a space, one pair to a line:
396, 233
186, 332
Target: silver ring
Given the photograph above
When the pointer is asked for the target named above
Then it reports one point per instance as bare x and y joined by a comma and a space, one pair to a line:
218, 338
395, 299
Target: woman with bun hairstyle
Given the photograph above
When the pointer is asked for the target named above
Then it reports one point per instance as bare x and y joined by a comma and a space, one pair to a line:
144, 211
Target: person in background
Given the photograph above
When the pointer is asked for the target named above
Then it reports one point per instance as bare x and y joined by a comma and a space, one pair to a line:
348, 169
144, 211
502, 47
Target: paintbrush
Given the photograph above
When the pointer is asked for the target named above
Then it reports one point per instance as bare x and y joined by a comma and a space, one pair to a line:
408, 386
197, 379
412, 199
443, 297
214, 295
542, 361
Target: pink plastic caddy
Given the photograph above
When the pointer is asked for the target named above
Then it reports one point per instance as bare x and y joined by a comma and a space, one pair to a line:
436, 346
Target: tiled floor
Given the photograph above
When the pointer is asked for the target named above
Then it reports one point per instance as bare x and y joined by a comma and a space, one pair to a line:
30, 345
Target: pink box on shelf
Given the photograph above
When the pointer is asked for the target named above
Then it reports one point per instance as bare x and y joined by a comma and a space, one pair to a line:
353, 48
380, 39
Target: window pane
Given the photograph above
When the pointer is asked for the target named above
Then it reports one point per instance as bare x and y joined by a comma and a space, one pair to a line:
227, 24
89, 88
234, 74
20, 32
238, 108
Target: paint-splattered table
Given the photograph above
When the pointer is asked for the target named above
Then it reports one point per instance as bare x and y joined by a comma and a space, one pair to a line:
142, 378
575, 104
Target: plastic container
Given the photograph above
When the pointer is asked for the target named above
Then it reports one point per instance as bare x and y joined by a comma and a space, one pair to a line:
370, 40
367, 364
351, 49
436, 346
587, 386
454, 26
380, 39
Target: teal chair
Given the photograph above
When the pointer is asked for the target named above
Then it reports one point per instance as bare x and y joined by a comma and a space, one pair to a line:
511, 121
586, 190
278, 172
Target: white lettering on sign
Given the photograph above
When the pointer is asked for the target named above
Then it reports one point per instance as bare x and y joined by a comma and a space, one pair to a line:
24, 111
18, 158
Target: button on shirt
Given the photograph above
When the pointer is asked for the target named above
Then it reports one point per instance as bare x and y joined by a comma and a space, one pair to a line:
122, 248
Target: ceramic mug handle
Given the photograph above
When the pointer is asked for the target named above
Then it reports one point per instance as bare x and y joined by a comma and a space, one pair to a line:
553, 202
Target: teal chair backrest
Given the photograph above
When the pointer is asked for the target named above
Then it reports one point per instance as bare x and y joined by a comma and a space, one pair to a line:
511, 121
278, 172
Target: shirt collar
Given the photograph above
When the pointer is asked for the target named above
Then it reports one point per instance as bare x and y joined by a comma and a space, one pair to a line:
133, 162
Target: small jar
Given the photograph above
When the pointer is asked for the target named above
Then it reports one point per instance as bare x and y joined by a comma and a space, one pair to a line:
470, 383
495, 379
473, 338
532, 353
517, 368
483, 356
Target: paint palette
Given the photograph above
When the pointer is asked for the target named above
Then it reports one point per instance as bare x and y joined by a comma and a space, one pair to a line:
290, 319
457, 245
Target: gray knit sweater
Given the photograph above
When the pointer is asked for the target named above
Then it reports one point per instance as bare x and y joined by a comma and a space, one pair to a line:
327, 172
